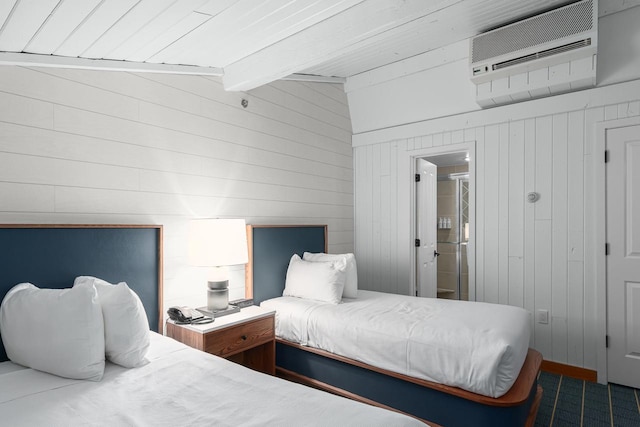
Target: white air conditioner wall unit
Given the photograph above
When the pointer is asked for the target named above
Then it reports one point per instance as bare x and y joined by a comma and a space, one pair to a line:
549, 53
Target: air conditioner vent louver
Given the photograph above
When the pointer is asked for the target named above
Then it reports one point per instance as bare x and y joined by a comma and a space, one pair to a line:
544, 54
563, 22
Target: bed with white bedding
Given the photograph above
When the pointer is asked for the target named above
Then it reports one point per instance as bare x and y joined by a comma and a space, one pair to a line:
440, 360
180, 386
474, 346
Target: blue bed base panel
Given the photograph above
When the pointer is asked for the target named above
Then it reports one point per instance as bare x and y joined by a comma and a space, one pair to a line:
422, 402
53, 256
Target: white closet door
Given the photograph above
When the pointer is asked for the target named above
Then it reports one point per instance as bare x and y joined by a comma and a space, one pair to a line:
623, 261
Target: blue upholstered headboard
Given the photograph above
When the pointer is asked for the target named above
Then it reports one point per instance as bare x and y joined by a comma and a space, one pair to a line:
271, 248
52, 256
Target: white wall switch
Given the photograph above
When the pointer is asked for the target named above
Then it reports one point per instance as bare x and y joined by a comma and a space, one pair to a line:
542, 316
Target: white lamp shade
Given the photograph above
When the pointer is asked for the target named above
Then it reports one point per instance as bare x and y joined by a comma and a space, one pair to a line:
217, 242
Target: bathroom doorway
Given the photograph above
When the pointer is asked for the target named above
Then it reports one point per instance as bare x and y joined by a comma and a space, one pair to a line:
453, 232
446, 262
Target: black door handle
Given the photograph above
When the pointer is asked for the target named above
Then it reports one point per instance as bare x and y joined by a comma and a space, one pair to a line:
435, 254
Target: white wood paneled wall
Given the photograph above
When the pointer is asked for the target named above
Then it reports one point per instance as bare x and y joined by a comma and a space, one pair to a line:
536, 256
114, 147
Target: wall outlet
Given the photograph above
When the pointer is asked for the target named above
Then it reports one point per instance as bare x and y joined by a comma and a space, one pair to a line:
542, 316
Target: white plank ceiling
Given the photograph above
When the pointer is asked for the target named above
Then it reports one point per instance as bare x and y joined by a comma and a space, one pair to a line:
248, 42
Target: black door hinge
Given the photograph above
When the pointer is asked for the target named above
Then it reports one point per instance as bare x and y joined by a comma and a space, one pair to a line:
606, 156
606, 340
607, 249
417, 177
417, 243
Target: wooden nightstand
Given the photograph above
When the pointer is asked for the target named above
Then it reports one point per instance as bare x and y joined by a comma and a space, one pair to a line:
247, 338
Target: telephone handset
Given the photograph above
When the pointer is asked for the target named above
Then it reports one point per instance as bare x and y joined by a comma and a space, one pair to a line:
187, 316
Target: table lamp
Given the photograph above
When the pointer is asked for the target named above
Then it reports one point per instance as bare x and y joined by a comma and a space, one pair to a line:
216, 244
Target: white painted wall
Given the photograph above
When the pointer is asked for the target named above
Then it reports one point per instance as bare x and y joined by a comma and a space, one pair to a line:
431, 85
537, 256
619, 49
114, 147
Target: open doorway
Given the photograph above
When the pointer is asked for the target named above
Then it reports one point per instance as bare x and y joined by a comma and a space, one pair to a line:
453, 232
443, 218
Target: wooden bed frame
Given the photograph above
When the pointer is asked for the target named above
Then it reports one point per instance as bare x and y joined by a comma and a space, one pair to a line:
271, 247
51, 256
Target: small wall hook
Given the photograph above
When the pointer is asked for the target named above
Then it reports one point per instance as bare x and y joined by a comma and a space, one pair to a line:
244, 103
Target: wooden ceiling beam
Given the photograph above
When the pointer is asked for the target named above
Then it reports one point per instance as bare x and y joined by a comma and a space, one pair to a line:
35, 60
325, 40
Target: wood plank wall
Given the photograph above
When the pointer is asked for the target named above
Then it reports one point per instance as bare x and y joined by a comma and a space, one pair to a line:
113, 147
536, 256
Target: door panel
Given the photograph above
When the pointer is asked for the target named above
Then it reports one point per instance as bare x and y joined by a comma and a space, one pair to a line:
633, 319
427, 222
632, 181
623, 261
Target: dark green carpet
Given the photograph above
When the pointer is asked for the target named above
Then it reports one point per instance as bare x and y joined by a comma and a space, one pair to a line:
570, 402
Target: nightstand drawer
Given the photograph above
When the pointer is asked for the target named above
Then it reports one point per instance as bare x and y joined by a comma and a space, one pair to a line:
235, 339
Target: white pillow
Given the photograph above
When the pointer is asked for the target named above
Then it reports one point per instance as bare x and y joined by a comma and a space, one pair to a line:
321, 281
126, 327
351, 284
59, 331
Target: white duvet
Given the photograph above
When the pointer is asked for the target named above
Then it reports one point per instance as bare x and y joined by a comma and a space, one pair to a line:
475, 346
180, 387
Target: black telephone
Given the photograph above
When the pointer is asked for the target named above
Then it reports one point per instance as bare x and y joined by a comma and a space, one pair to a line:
187, 316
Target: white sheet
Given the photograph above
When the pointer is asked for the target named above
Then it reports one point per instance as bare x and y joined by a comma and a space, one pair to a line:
475, 346
180, 387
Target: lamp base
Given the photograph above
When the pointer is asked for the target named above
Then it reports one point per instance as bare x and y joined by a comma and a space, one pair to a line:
217, 295
218, 313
